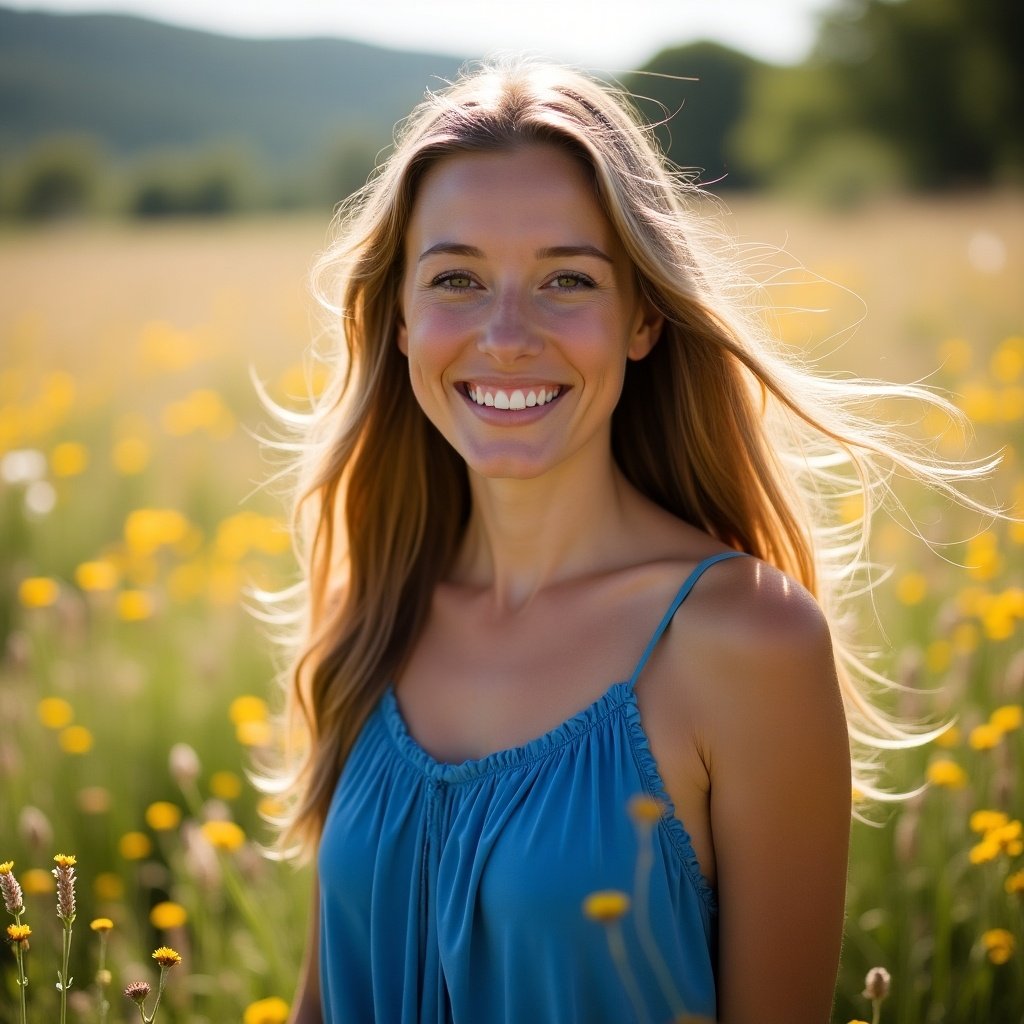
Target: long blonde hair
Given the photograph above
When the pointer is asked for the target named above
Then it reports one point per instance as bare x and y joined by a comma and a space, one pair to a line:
717, 425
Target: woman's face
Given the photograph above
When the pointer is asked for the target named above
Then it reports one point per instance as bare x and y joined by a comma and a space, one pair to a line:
519, 310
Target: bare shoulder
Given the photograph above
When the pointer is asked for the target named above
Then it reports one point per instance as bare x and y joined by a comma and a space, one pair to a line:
753, 626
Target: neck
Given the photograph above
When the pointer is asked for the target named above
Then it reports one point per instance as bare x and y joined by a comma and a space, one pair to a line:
524, 535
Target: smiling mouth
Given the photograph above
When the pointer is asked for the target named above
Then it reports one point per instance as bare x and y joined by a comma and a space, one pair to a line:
512, 399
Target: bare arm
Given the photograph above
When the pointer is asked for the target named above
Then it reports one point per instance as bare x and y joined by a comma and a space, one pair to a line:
779, 765
306, 1007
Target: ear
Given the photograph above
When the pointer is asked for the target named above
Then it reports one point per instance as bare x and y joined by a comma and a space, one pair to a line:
646, 331
402, 336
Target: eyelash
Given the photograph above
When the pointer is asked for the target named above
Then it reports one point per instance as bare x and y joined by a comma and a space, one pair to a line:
580, 281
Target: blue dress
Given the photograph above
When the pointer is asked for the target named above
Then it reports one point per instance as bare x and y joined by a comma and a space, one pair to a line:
453, 892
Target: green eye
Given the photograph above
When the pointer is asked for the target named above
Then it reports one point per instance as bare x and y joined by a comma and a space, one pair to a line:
454, 280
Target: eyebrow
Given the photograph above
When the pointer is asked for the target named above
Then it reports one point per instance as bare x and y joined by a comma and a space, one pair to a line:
552, 252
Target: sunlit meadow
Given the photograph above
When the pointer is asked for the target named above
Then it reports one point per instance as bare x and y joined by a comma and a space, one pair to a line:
134, 688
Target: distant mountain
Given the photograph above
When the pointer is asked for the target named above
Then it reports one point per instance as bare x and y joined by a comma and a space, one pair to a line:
136, 85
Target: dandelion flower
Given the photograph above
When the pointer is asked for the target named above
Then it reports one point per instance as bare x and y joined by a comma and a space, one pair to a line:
1015, 883
947, 773
223, 835
983, 852
69, 459
247, 708
266, 1011
75, 739
985, 737
55, 712
134, 845
1007, 718
166, 957
37, 881
19, 933
134, 605
606, 905
96, 576
985, 821
101, 924
226, 785
163, 816
38, 592
644, 809
108, 886
167, 915
999, 945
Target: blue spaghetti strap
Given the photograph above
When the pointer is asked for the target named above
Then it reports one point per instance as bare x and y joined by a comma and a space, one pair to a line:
685, 589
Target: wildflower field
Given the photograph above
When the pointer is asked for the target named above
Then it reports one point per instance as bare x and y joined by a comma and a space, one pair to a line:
134, 686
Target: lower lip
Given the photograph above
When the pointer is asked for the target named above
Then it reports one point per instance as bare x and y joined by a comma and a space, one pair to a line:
512, 417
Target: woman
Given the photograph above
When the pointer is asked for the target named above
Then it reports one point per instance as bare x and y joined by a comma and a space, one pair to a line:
570, 540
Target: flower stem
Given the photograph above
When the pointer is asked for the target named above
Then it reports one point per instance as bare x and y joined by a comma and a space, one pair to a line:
876, 1011
641, 891
65, 981
22, 979
618, 951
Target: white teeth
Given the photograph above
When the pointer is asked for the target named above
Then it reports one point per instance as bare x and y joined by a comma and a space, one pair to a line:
515, 401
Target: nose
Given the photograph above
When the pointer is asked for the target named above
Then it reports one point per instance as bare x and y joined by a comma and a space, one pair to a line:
509, 332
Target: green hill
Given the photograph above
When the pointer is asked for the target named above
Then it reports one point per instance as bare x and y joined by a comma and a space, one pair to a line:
137, 86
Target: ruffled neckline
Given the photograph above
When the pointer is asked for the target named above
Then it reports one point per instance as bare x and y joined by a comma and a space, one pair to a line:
500, 760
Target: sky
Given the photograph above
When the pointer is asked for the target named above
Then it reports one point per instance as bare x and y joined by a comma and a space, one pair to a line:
609, 35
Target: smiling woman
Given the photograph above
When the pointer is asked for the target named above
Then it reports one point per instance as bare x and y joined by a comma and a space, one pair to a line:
574, 539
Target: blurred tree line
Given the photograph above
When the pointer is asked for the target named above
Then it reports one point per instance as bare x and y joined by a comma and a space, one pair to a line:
896, 95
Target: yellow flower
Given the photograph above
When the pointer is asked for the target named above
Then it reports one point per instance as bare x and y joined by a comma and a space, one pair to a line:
134, 605
101, 924
950, 738
38, 591
644, 809
167, 915
606, 905
75, 739
1015, 883
146, 530
36, 882
1008, 838
226, 785
985, 821
134, 845
223, 835
912, 588
166, 957
6, 867
254, 734
938, 656
266, 1011
248, 708
984, 737
947, 773
983, 852
1007, 718
54, 712
97, 575
64, 860
130, 455
108, 886
69, 459
18, 932
162, 816
999, 944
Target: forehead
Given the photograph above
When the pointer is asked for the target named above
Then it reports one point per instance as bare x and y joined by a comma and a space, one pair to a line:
534, 191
